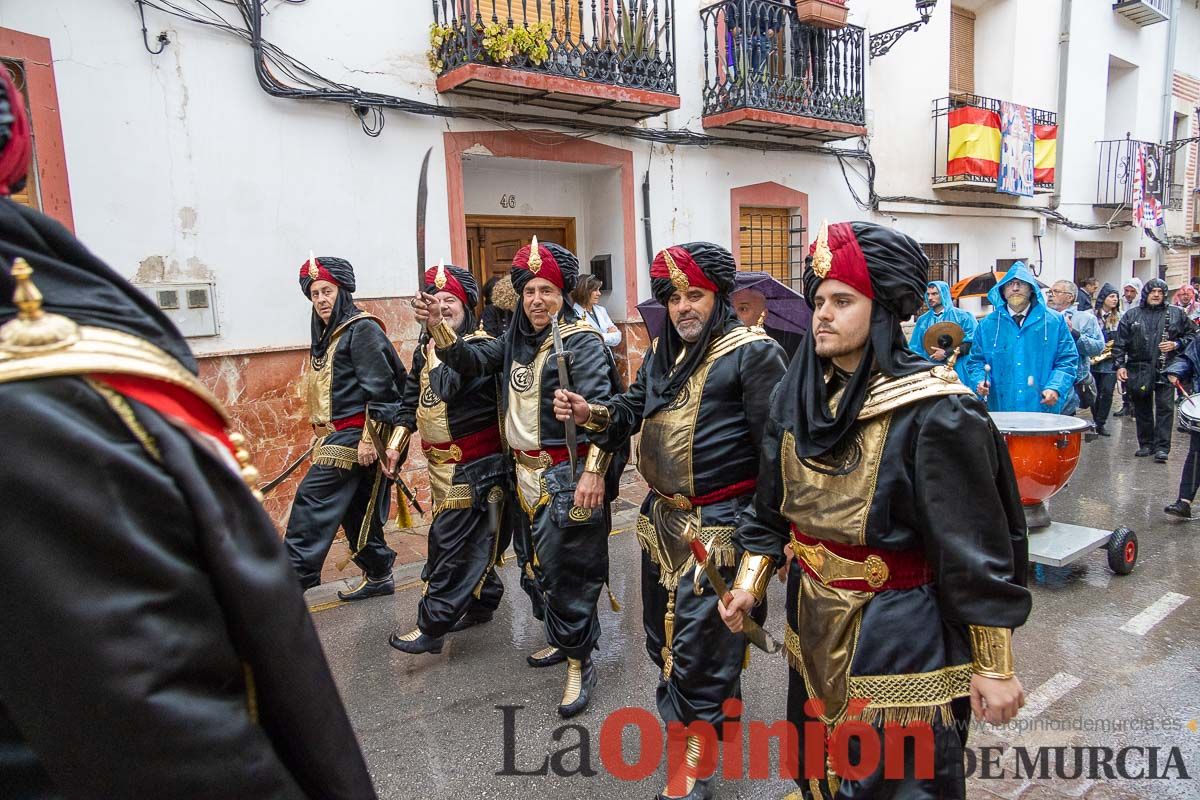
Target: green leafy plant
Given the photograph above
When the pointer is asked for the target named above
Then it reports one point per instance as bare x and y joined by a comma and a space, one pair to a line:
502, 43
638, 34
438, 36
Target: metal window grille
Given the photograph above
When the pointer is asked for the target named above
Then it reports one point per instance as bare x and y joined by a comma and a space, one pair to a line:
772, 241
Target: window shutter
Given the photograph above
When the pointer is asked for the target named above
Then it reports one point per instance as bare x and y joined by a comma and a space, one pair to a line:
765, 240
962, 51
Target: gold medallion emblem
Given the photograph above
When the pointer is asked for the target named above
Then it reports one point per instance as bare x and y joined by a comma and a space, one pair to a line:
822, 258
877, 571
439, 277
535, 257
580, 514
313, 271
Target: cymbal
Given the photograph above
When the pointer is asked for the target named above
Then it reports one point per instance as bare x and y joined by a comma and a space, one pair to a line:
936, 336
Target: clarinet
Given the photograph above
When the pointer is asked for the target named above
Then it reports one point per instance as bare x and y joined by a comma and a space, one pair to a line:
1162, 357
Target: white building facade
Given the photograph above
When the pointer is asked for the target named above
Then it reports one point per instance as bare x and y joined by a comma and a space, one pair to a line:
615, 126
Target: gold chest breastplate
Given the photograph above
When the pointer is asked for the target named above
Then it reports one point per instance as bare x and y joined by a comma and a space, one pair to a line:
433, 421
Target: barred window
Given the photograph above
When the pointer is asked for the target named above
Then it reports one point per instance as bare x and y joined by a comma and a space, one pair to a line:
771, 241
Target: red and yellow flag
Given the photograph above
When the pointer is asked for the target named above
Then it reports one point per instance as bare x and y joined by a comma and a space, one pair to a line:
974, 148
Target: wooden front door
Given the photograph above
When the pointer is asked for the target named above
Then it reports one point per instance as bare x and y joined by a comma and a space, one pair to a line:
492, 241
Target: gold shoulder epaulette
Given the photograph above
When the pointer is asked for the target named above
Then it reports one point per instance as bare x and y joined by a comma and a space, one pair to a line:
478, 336
887, 394
359, 318
573, 328
731, 341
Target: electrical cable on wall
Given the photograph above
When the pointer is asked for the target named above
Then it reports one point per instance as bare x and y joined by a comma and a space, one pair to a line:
369, 107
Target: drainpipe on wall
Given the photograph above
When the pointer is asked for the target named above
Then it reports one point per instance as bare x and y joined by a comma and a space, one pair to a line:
1064, 52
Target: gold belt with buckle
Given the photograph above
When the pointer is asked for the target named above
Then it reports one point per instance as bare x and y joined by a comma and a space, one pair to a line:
438, 456
830, 567
540, 461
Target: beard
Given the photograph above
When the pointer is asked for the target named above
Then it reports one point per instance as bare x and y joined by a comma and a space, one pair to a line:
1017, 303
838, 346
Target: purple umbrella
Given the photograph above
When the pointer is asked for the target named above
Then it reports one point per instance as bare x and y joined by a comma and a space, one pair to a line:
787, 311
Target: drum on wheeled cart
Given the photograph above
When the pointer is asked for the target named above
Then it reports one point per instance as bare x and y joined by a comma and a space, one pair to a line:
1045, 449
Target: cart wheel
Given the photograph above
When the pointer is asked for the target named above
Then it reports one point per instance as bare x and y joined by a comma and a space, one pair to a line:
1122, 551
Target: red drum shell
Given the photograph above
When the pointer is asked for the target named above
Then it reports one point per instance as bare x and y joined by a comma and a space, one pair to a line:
1044, 455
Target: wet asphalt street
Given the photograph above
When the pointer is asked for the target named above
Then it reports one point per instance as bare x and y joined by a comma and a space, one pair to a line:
1107, 661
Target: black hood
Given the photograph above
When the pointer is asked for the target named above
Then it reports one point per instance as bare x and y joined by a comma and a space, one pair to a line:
77, 284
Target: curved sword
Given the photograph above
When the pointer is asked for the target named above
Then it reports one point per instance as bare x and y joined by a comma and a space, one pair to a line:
422, 199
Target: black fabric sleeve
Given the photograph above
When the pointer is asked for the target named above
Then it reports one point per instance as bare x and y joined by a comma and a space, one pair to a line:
474, 358
376, 366
625, 412
406, 415
762, 367
970, 512
590, 372
137, 604
762, 530
1121, 343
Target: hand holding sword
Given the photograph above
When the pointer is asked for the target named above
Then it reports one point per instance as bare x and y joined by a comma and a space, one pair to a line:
734, 606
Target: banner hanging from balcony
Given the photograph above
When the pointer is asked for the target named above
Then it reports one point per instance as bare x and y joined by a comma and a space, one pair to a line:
974, 149
1016, 150
1147, 210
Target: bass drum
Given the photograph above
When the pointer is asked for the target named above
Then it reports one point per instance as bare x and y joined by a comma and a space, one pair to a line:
1044, 449
1189, 414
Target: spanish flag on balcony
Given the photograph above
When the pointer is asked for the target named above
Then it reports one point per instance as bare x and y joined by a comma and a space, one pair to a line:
974, 148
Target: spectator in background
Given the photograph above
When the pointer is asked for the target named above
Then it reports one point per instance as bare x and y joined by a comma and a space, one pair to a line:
1148, 337
586, 298
1087, 292
1131, 291
1185, 298
750, 306
499, 300
1023, 357
941, 309
747, 48
1089, 341
1108, 315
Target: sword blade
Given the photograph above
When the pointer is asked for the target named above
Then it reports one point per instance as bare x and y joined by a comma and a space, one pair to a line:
422, 199
753, 631
281, 477
564, 383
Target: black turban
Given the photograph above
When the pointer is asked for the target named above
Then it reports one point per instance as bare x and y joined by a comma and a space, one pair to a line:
327, 268
897, 271
704, 265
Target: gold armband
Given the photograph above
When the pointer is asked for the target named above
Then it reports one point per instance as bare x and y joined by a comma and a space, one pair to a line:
597, 460
443, 335
598, 418
753, 575
991, 652
399, 439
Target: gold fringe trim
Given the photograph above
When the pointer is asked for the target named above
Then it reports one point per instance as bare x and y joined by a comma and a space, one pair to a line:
336, 455
718, 541
458, 496
898, 699
121, 407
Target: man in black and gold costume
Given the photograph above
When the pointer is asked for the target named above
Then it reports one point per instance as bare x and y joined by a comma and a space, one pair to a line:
565, 543
468, 474
153, 641
898, 498
700, 400
354, 380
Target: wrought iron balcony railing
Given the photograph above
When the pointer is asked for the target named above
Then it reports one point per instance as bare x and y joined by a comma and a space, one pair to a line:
758, 55
1117, 169
967, 139
1144, 12
629, 43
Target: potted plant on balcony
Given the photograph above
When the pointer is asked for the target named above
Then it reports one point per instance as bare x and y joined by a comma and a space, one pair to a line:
822, 13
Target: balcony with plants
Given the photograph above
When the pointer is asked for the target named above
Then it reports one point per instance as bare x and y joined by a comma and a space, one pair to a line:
767, 69
614, 58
